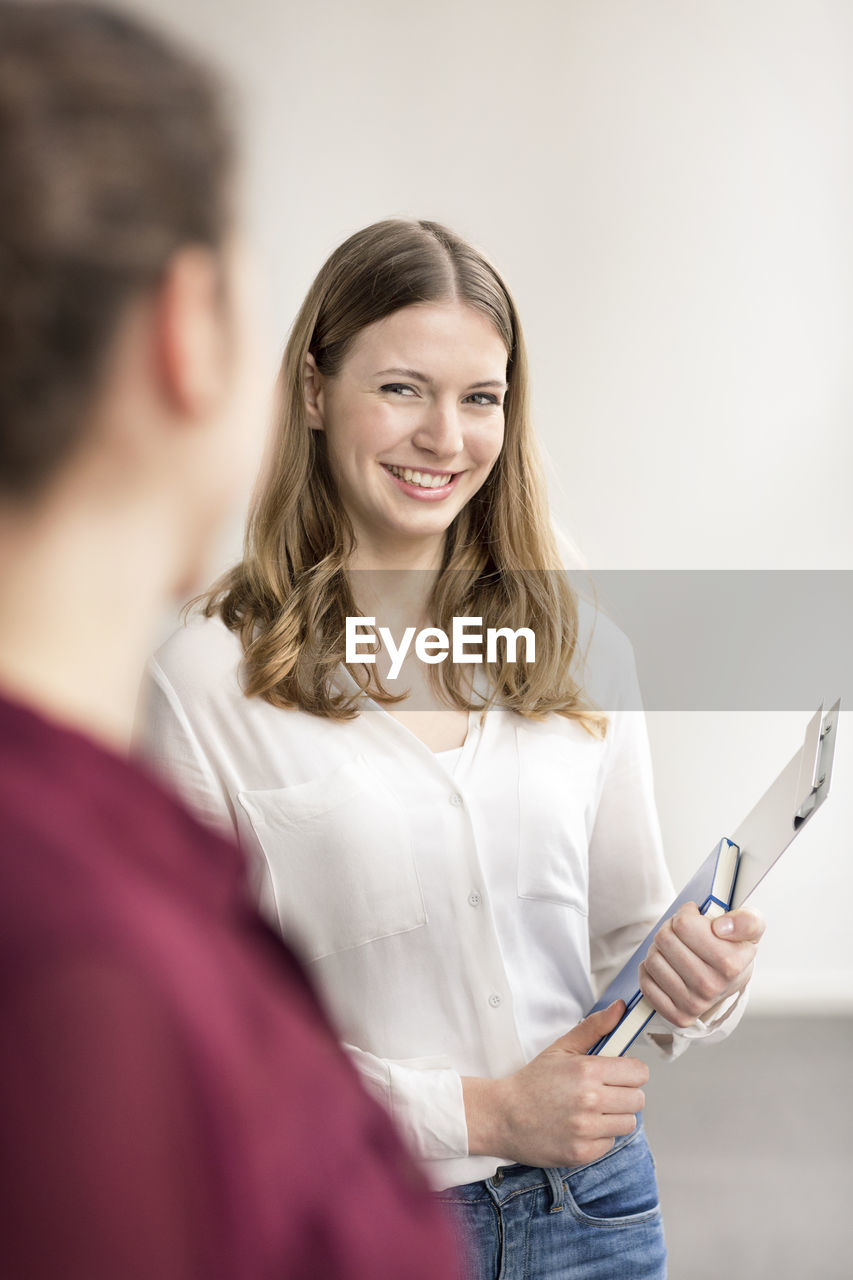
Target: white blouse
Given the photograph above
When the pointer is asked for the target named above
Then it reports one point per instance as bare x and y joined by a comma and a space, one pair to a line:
459, 911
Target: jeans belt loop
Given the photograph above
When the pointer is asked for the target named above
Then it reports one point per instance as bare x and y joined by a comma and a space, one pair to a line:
558, 1190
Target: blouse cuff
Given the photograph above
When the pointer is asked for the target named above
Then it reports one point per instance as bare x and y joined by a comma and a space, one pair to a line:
424, 1099
428, 1108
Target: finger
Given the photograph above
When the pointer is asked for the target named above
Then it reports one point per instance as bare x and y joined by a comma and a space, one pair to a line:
587, 1033
595, 1151
599, 1125
692, 991
744, 977
618, 1126
728, 957
741, 925
629, 1073
663, 1002
688, 1001
688, 969
619, 1101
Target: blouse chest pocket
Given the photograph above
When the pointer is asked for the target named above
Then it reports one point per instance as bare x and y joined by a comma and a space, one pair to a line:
340, 858
557, 799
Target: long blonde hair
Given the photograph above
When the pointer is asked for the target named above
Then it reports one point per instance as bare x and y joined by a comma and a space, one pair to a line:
290, 595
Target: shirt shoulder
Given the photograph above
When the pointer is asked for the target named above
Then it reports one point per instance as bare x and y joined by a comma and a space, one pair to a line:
604, 661
200, 652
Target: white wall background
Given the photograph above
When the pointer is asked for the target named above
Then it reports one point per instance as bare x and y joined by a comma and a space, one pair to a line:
668, 187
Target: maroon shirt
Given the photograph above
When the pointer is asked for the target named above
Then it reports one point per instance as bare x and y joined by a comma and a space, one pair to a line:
173, 1102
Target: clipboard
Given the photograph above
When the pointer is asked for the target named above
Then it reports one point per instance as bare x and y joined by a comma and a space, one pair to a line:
763, 836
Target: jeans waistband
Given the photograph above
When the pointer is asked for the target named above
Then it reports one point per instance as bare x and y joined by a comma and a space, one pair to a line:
513, 1179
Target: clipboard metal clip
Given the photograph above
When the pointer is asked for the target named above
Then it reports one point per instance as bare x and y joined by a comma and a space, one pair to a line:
816, 759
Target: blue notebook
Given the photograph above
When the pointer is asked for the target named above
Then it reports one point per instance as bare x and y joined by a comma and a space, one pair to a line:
711, 888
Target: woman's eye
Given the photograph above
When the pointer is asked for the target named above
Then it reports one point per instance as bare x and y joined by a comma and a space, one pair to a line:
398, 388
484, 399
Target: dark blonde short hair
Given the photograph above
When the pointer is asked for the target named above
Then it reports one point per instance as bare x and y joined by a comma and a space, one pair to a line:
115, 151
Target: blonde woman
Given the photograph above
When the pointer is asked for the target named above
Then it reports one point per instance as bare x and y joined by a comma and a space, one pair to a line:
463, 853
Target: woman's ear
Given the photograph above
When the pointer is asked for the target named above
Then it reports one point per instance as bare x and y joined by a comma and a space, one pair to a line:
312, 384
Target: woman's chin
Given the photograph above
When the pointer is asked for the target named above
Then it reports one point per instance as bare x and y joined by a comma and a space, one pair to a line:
415, 532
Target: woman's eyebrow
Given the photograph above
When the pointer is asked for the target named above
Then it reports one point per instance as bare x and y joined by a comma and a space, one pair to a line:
406, 373
425, 378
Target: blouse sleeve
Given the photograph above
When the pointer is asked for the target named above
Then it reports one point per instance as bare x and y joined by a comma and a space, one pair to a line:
170, 745
630, 884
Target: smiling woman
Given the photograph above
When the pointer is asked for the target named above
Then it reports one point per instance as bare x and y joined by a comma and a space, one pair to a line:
406, 359
466, 861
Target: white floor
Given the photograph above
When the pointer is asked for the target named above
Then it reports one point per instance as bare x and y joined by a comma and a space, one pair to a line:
753, 1141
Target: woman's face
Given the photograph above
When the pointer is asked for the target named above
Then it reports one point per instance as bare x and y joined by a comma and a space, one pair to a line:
414, 422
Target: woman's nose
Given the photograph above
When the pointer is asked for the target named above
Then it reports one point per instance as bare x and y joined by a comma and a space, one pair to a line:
440, 431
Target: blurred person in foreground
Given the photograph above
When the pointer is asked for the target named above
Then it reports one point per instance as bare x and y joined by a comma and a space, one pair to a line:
173, 1102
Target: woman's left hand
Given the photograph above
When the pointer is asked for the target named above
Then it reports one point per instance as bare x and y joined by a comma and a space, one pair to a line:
694, 963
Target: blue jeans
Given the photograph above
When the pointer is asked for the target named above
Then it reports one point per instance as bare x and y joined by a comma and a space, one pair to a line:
597, 1221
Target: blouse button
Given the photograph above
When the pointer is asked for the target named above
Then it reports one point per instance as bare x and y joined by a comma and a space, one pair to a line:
474, 899
494, 1001
456, 800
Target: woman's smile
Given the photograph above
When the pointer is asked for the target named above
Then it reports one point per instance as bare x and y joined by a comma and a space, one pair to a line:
422, 484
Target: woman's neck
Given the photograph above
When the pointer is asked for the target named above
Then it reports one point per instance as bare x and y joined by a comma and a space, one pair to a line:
396, 598
395, 583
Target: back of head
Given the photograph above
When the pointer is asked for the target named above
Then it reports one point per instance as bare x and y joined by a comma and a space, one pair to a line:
115, 151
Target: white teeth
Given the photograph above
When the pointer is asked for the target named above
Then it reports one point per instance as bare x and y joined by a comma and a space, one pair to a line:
422, 480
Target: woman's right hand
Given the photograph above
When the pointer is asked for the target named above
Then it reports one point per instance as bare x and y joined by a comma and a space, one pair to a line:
562, 1108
